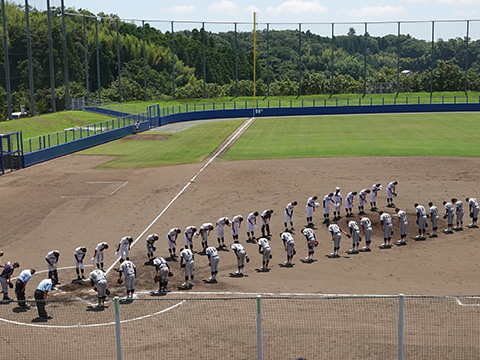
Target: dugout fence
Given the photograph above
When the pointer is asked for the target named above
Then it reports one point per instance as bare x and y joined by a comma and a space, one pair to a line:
268, 327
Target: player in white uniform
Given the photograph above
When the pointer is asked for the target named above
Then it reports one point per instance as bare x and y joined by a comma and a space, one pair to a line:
327, 200
172, 241
151, 245
241, 255
221, 230
337, 204
52, 264
190, 231
163, 272
336, 238
129, 269
362, 200
79, 256
386, 222
204, 232
459, 212
289, 246
366, 226
99, 284
402, 226
421, 221
251, 225
474, 207
433, 212
124, 247
449, 215
289, 215
349, 203
310, 208
355, 234
186, 261
391, 193
213, 260
236, 225
98, 255
311, 242
266, 251
373, 196
265, 221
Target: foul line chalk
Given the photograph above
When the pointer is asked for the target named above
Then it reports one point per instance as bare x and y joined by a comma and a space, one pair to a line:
462, 304
234, 137
98, 196
94, 325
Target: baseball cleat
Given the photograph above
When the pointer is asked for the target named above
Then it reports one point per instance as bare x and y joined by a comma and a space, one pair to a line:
446, 231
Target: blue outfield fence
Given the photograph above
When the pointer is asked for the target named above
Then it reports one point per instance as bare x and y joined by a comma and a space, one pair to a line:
49, 146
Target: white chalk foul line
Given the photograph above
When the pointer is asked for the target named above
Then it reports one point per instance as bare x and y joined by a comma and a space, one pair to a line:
94, 325
462, 304
123, 183
227, 144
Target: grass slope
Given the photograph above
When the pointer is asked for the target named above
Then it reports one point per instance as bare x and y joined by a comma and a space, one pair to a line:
188, 146
50, 123
439, 134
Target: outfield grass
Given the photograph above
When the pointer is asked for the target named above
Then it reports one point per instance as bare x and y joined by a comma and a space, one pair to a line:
50, 123
439, 134
188, 146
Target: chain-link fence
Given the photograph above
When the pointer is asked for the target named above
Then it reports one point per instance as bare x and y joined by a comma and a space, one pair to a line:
318, 327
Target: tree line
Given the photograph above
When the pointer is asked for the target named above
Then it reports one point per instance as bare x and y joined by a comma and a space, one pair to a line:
287, 63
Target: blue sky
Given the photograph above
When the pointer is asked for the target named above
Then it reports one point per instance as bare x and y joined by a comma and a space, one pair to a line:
294, 12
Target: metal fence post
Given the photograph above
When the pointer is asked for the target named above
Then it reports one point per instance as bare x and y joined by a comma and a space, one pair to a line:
117, 328
259, 327
401, 299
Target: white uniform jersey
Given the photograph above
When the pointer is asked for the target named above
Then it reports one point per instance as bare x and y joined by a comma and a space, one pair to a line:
124, 242
363, 194
473, 202
459, 206
187, 255
337, 198
159, 262
151, 239
266, 214
189, 231
211, 251
327, 198
309, 234
237, 220
349, 198
311, 202
97, 275
237, 247
172, 234
263, 242
222, 221
51, 257
287, 237
334, 229
289, 209
421, 211
449, 207
206, 227
353, 225
391, 187
402, 215
386, 218
376, 188
128, 268
366, 223
101, 246
433, 211
79, 253
252, 219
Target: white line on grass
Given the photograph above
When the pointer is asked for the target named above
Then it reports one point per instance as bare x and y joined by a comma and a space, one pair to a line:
94, 325
234, 137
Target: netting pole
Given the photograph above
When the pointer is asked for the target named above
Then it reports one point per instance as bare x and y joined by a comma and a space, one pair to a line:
401, 299
259, 327
117, 328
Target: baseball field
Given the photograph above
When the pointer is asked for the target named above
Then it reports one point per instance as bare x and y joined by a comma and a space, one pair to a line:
151, 182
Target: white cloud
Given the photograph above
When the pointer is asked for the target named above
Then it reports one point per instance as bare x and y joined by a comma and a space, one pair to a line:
297, 7
416, 1
182, 9
224, 7
376, 11
251, 9
463, 13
